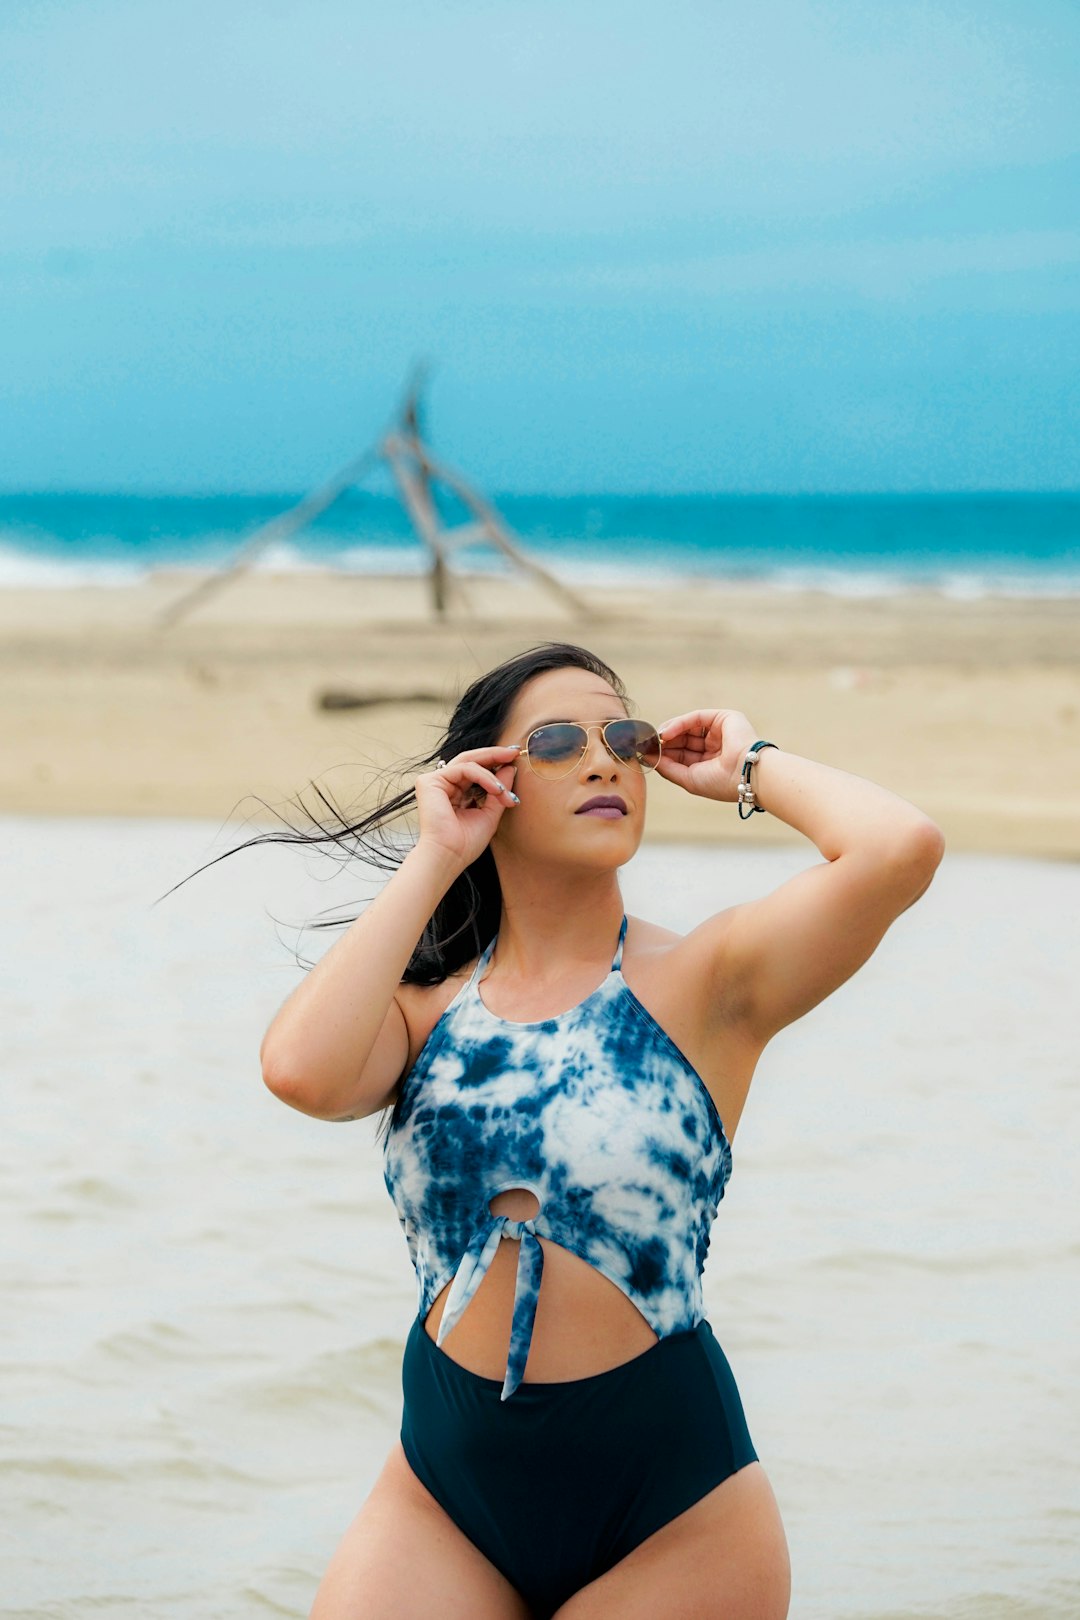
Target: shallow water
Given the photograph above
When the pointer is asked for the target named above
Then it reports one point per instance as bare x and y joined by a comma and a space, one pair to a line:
206, 1294
964, 544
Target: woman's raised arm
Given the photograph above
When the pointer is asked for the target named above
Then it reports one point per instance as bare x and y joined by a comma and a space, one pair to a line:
340, 1042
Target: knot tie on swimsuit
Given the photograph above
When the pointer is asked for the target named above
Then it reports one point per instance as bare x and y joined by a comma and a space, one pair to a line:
474, 1264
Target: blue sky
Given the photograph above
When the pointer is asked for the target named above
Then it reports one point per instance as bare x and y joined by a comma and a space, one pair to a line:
678, 246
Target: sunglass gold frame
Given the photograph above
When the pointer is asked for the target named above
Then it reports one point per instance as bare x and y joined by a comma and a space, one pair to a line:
588, 730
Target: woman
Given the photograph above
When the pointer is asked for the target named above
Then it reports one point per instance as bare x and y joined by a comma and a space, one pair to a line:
564, 1085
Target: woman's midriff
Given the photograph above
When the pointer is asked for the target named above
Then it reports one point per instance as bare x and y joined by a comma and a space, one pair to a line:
584, 1324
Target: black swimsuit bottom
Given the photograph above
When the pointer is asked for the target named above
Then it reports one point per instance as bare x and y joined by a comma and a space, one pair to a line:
558, 1484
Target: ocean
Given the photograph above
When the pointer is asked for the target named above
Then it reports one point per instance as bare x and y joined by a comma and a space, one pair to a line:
963, 545
206, 1294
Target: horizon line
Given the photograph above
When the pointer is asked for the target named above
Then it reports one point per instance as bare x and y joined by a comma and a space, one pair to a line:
209, 494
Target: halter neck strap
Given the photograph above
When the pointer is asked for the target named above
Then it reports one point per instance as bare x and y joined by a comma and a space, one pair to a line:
482, 961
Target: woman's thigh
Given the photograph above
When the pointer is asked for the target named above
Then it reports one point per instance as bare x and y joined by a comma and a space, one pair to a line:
404, 1558
724, 1558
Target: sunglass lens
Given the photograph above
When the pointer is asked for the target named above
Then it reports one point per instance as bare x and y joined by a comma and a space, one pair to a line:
553, 749
635, 742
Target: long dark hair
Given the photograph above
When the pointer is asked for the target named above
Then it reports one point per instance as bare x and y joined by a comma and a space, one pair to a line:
467, 916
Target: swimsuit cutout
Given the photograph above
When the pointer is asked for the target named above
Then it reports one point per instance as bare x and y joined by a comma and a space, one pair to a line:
598, 1114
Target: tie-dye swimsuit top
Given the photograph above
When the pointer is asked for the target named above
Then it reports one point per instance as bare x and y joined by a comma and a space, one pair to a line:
598, 1114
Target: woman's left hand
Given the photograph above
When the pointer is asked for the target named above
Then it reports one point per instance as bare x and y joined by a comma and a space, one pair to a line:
704, 752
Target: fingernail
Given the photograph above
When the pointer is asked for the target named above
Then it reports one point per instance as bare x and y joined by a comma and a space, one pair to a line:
510, 794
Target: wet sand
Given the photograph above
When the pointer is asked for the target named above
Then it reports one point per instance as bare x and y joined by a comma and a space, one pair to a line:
969, 709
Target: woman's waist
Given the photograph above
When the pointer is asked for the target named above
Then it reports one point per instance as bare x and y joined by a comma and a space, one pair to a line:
584, 1323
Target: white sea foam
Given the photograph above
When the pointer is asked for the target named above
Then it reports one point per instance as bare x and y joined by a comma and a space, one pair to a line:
22, 567
19, 568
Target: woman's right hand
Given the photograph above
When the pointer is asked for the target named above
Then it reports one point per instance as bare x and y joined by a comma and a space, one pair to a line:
461, 803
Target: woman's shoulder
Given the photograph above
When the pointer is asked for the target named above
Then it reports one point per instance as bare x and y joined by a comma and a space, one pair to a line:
685, 970
422, 1005
647, 939
643, 935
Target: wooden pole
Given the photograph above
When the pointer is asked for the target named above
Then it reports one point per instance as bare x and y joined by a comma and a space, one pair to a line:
490, 523
416, 498
279, 528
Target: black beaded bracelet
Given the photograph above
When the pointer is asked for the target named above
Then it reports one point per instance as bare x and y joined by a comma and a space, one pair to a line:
746, 792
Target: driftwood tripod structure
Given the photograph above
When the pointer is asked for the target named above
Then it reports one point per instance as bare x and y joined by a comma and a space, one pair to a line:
416, 473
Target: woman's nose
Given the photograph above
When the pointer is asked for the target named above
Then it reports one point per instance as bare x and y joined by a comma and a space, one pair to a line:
597, 754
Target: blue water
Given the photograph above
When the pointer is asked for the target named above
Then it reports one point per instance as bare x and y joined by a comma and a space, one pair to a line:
962, 545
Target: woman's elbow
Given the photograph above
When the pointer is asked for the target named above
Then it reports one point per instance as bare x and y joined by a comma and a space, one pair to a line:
927, 853
287, 1087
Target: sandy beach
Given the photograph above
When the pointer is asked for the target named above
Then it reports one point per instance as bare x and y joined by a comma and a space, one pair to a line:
210, 1292
968, 708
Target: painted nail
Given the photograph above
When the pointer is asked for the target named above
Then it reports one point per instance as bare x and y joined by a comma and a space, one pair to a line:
513, 796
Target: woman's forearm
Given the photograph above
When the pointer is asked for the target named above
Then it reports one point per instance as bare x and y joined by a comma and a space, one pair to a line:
325, 1031
835, 809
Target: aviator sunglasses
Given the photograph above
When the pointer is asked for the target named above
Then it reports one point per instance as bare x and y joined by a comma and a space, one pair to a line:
554, 750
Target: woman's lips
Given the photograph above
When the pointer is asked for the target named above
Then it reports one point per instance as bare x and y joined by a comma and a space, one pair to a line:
608, 811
